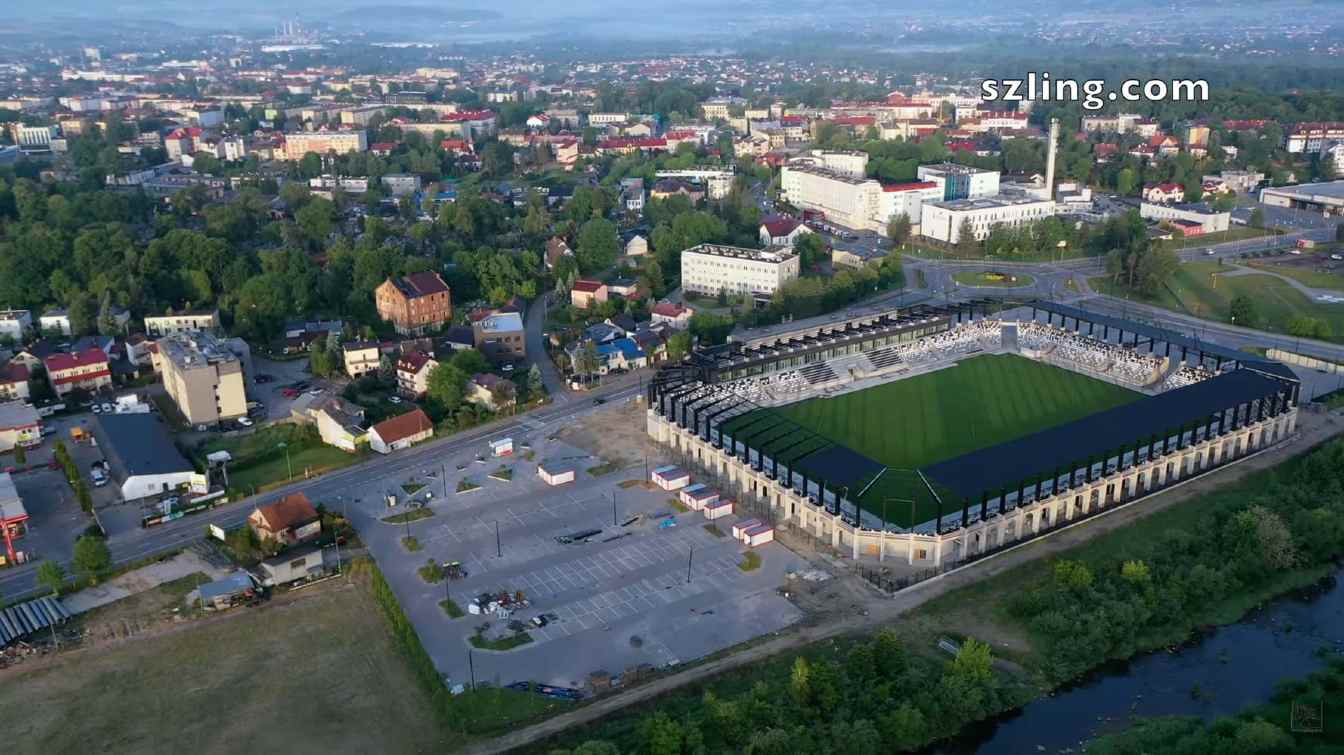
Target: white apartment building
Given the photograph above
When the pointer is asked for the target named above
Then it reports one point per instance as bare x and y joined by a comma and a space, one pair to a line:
1120, 123
184, 322
847, 162
961, 181
908, 198
203, 377
849, 201
321, 142
606, 119
1203, 215
943, 220
711, 268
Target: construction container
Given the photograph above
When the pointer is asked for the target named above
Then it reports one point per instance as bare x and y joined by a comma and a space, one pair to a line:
698, 496
744, 525
555, 474
718, 509
758, 535
671, 478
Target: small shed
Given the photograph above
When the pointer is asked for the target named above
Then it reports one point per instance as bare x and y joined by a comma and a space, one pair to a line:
744, 525
718, 509
698, 496
555, 474
671, 478
300, 563
227, 592
501, 447
758, 535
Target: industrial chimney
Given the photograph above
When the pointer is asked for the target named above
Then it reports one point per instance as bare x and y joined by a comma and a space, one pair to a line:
1050, 159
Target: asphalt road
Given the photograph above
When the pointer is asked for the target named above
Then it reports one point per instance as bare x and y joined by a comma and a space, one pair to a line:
21, 581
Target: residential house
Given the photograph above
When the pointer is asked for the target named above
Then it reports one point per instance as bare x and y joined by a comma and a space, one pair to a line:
501, 336
401, 432
459, 338
626, 288
140, 350
14, 382
341, 424
652, 340
632, 194
637, 246
87, 370
1163, 193
621, 354
292, 519
670, 187
490, 391
415, 303
162, 325
301, 563
555, 249
55, 321
675, 315
413, 369
782, 230
15, 324
19, 426
587, 292
361, 357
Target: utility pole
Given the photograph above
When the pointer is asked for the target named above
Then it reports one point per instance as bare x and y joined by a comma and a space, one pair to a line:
445, 481
689, 557
499, 551
613, 508
471, 665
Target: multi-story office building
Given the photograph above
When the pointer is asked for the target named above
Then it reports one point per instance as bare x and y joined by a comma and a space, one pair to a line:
203, 377
711, 268
943, 220
961, 181
844, 199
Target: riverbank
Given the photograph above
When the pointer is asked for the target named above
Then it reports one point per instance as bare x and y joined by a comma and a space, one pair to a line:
1101, 595
1299, 718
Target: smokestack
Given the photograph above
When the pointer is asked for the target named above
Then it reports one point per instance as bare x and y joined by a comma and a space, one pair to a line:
1050, 159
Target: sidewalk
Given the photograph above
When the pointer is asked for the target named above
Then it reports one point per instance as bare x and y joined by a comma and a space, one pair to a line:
140, 580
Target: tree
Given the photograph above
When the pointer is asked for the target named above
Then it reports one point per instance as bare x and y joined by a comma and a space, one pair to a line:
1125, 181
678, 346
585, 361
321, 361
447, 386
1305, 326
20, 456
82, 496
536, 387
92, 558
1243, 312
51, 575
1258, 218
898, 228
811, 249
1073, 575
966, 241
598, 245
1135, 572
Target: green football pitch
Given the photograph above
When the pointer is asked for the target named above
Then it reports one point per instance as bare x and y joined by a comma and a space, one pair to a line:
911, 423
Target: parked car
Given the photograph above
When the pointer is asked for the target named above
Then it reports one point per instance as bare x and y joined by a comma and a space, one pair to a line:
108, 408
315, 392
394, 399
97, 409
289, 393
244, 421
98, 477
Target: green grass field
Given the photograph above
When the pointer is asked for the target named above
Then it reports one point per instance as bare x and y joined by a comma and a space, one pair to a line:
1192, 289
908, 424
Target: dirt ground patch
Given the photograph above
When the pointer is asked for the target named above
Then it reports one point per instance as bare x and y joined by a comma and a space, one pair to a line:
617, 434
316, 673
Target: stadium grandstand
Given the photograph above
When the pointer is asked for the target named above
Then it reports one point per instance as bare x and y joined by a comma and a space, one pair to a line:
939, 434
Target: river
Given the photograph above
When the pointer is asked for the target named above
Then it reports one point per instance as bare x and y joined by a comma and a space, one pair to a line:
1221, 672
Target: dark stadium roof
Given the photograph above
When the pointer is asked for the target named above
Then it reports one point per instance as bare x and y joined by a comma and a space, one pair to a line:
839, 467
1039, 455
1153, 332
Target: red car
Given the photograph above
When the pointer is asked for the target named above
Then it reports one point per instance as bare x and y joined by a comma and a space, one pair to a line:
289, 393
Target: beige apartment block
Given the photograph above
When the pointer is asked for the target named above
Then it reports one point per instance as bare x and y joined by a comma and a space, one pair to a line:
203, 377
